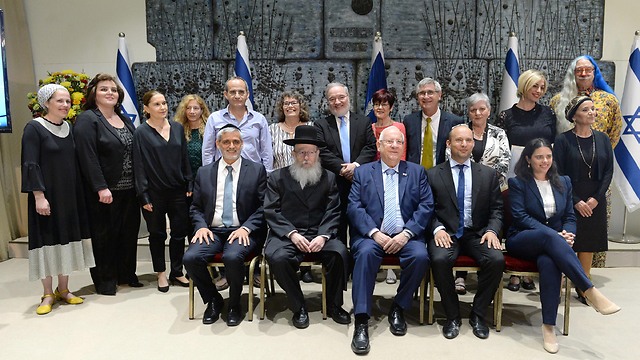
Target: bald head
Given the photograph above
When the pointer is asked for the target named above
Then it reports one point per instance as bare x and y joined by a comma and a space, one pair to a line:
461, 143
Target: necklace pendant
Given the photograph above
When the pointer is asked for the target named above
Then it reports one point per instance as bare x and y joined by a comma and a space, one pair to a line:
589, 175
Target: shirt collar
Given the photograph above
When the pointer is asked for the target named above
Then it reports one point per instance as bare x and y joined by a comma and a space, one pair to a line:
454, 163
235, 165
385, 167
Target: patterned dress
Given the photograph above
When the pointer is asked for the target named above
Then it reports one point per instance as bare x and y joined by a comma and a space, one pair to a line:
281, 151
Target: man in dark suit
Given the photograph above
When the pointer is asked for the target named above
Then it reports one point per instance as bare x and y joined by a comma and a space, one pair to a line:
468, 218
228, 216
390, 205
302, 210
428, 94
349, 143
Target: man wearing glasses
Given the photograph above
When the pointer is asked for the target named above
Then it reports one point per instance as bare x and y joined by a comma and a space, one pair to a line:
349, 143
301, 207
390, 205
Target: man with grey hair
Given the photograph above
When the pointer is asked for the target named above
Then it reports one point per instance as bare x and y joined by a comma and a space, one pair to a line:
349, 143
302, 210
428, 128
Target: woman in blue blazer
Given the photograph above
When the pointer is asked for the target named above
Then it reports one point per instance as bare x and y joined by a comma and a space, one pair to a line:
543, 229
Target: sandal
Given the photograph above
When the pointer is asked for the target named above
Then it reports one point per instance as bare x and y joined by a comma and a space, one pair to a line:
45, 309
61, 295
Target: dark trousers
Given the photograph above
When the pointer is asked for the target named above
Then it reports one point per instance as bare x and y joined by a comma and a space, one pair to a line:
554, 257
114, 237
233, 256
491, 264
174, 204
368, 254
344, 187
284, 261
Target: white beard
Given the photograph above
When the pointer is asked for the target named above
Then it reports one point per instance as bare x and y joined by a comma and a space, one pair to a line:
304, 176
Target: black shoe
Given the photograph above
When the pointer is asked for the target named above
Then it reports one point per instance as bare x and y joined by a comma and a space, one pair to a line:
528, 285
360, 342
103, 289
582, 299
163, 289
234, 316
451, 328
135, 284
397, 324
301, 319
480, 329
513, 287
175, 281
339, 315
212, 312
307, 277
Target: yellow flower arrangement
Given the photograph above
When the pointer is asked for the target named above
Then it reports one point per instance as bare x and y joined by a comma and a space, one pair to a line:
75, 82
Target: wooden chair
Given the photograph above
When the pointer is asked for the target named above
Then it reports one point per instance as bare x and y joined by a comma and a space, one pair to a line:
462, 263
251, 261
393, 262
519, 267
308, 260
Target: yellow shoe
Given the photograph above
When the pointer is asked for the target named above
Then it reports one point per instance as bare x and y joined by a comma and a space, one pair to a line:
45, 309
73, 301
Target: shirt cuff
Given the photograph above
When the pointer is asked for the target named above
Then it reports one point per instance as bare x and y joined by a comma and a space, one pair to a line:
409, 234
438, 229
291, 233
246, 229
372, 231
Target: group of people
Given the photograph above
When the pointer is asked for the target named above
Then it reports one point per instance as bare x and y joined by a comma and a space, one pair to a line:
339, 190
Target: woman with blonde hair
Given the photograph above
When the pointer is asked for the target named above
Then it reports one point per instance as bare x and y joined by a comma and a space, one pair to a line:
192, 113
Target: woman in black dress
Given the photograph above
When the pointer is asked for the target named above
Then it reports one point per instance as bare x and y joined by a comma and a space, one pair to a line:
104, 139
58, 242
585, 156
163, 183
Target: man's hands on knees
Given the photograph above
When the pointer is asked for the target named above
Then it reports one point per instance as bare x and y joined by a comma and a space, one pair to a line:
390, 245
241, 234
300, 242
492, 240
203, 234
317, 243
442, 239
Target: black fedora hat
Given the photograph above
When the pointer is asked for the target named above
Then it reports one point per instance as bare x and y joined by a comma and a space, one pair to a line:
305, 134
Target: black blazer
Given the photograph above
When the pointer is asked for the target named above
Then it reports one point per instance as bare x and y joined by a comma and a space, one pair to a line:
363, 142
413, 126
99, 149
568, 159
486, 199
252, 184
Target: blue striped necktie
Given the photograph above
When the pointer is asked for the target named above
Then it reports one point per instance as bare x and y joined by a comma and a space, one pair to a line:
389, 223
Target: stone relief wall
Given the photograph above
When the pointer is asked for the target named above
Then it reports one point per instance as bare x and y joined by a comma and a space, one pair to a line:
304, 45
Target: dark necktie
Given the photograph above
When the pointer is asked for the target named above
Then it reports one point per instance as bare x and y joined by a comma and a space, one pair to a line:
227, 202
460, 197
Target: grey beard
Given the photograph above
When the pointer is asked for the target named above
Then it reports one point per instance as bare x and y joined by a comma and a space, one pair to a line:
304, 176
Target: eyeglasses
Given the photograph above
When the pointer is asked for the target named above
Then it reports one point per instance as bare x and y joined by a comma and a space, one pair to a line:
391, 142
304, 154
427, 93
585, 70
339, 97
290, 103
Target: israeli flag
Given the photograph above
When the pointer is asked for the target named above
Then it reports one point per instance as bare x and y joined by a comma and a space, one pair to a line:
509, 93
125, 79
377, 76
626, 170
242, 66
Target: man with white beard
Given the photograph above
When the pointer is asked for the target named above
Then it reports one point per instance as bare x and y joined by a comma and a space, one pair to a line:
302, 209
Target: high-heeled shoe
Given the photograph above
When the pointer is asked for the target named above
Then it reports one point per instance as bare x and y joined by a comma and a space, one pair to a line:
175, 281
600, 303
550, 346
162, 289
60, 295
45, 309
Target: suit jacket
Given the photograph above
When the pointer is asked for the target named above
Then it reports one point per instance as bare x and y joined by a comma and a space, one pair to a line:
363, 142
311, 211
366, 199
413, 125
252, 183
568, 158
486, 199
99, 149
528, 210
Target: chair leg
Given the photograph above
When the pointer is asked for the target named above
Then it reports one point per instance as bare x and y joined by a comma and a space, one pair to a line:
324, 294
567, 307
252, 267
497, 307
423, 283
263, 269
431, 293
191, 301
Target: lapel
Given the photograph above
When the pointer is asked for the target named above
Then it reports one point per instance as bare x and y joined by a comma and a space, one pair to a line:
447, 180
476, 178
559, 199
353, 131
243, 177
214, 179
335, 135
441, 133
106, 124
533, 187
402, 181
292, 184
376, 176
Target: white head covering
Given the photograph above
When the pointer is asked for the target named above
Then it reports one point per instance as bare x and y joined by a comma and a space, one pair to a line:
46, 92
